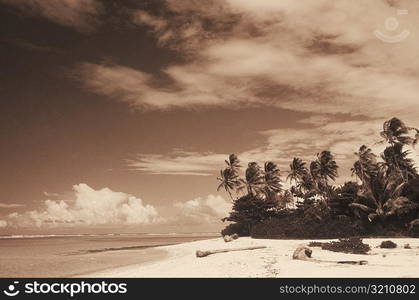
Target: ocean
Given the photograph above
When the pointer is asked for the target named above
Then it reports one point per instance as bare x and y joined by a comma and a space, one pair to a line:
75, 255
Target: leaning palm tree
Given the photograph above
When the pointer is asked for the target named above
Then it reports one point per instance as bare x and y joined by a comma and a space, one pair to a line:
228, 181
297, 170
229, 177
396, 132
398, 135
323, 169
396, 161
254, 178
272, 178
233, 163
366, 166
327, 167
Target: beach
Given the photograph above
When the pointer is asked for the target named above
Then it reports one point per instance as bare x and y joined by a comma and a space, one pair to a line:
273, 261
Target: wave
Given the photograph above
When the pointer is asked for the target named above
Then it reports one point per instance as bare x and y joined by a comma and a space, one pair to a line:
33, 236
184, 234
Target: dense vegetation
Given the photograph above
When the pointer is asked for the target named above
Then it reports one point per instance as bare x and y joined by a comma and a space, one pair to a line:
384, 200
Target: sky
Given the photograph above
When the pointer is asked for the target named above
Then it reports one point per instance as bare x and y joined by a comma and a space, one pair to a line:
117, 115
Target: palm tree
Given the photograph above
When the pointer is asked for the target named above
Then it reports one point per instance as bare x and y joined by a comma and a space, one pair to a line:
228, 181
306, 187
233, 163
297, 170
398, 135
366, 166
229, 177
396, 132
323, 169
383, 198
327, 167
272, 178
254, 178
396, 161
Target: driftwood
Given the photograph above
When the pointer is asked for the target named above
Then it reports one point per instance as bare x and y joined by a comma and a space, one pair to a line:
353, 262
304, 253
200, 253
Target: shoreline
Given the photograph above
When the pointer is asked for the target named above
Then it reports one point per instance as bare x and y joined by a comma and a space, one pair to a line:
59, 257
146, 256
273, 261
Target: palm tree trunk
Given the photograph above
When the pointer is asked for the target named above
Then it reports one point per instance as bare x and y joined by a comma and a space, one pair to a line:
231, 196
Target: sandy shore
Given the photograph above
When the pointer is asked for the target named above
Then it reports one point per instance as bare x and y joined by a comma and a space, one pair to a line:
273, 261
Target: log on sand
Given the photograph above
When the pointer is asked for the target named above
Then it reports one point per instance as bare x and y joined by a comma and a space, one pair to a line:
200, 253
304, 253
353, 262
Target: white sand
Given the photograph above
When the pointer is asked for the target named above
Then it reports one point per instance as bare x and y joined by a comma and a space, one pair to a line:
274, 261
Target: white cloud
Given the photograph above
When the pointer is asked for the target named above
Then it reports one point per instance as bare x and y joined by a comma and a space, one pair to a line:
51, 195
3, 223
8, 205
177, 163
314, 56
311, 56
91, 207
79, 14
203, 210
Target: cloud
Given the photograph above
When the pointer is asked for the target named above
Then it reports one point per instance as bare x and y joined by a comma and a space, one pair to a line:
3, 223
7, 205
177, 163
51, 195
310, 56
79, 14
203, 210
91, 207
142, 90
318, 57
141, 17
343, 139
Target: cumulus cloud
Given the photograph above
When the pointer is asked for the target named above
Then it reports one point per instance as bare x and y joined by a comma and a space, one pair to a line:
203, 210
90, 207
79, 14
3, 223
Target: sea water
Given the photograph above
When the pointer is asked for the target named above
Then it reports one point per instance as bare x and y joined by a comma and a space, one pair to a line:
74, 255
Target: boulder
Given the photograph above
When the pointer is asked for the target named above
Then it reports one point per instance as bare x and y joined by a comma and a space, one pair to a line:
302, 253
227, 238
